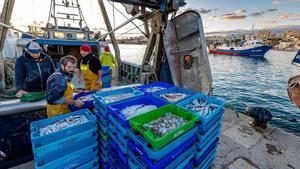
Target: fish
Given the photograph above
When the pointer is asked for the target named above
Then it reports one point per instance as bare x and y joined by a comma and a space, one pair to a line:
165, 124
173, 97
63, 124
135, 110
201, 107
117, 97
86, 98
155, 89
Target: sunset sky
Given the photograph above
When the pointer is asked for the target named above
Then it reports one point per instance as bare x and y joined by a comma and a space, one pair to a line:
217, 15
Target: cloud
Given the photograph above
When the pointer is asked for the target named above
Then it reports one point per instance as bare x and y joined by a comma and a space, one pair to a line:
272, 10
281, 1
256, 14
261, 13
240, 11
204, 11
292, 16
236, 15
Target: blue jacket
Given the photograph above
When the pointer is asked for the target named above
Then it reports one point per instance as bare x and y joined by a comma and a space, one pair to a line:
32, 75
56, 86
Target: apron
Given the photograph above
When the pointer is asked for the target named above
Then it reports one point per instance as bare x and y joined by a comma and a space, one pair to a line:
57, 109
90, 78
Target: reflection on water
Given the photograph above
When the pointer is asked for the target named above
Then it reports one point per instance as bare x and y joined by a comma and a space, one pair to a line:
248, 81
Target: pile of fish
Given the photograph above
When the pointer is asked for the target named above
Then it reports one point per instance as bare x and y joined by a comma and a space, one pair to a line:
173, 97
201, 107
165, 124
134, 110
117, 97
86, 98
155, 89
63, 124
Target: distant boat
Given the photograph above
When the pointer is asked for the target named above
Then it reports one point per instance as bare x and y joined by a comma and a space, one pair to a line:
296, 60
253, 48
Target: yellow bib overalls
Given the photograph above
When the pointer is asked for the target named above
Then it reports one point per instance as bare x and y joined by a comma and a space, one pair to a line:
90, 78
57, 109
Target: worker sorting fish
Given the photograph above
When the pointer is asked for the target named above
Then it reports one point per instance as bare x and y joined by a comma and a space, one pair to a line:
201, 107
63, 124
134, 110
165, 124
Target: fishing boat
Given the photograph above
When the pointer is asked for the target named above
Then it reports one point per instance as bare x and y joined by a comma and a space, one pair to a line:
254, 48
293, 89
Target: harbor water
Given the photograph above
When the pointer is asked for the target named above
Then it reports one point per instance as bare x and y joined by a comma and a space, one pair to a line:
245, 81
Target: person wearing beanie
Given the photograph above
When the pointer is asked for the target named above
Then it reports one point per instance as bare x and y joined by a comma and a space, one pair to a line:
107, 59
32, 70
90, 68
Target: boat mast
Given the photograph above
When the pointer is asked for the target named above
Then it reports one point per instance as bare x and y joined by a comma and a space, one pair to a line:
4, 18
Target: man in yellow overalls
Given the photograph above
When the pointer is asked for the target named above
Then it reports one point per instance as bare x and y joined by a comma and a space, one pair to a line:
90, 68
59, 92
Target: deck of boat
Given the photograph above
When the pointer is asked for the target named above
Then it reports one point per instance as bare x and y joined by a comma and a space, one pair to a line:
242, 147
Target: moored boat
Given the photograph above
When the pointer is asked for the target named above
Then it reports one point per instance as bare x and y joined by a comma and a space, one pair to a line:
249, 49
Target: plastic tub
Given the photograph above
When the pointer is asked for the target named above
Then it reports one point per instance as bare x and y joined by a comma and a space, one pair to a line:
87, 104
159, 142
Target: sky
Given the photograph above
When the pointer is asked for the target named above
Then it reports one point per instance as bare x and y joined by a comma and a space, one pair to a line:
217, 15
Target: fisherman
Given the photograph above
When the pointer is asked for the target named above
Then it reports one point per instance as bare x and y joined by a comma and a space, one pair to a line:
59, 93
90, 68
107, 59
32, 70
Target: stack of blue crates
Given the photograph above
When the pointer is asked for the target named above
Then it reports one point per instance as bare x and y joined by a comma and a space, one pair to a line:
72, 147
106, 79
109, 154
177, 154
209, 130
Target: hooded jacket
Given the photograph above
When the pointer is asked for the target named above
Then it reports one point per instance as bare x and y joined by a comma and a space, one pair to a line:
32, 74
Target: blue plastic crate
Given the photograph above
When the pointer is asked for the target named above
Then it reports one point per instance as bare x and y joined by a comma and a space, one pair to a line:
117, 108
189, 94
142, 144
105, 71
103, 144
75, 159
206, 163
114, 150
202, 138
189, 154
100, 96
99, 109
200, 155
65, 143
87, 104
120, 141
91, 164
209, 141
51, 156
106, 82
145, 87
38, 140
104, 165
167, 159
210, 100
101, 119
104, 157
186, 163
118, 127
202, 129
